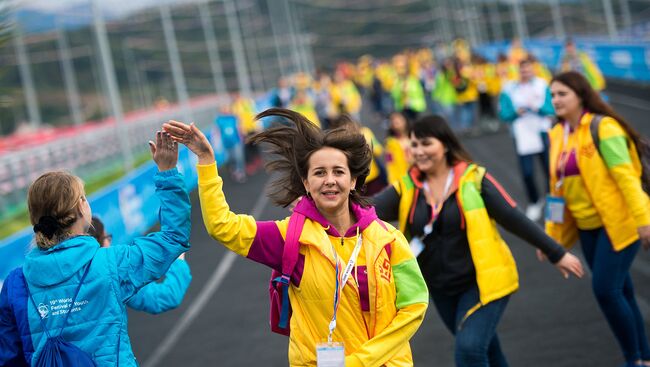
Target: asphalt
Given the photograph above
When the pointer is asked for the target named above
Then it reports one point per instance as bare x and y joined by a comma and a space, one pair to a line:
223, 320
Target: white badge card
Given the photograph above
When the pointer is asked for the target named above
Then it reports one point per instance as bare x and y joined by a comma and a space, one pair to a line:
330, 355
416, 246
555, 209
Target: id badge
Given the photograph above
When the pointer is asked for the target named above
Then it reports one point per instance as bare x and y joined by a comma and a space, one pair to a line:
330, 354
555, 209
416, 246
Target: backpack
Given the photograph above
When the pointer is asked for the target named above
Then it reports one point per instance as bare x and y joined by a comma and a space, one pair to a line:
58, 352
280, 311
643, 149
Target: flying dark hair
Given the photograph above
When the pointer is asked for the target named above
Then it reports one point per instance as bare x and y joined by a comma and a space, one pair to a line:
435, 126
592, 102
290, 148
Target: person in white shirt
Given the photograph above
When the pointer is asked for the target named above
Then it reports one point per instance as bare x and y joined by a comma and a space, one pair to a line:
526, 105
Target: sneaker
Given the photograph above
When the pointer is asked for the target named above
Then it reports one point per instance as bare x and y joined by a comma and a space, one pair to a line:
534, 211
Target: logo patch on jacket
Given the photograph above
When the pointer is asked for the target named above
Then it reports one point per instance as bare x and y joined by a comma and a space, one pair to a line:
588, 150
385, 269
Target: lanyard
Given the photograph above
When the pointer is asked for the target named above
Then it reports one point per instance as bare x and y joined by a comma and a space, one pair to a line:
436, 208
564, 157
341, 280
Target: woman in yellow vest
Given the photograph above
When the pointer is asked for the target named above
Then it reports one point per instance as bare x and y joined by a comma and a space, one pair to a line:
446, 207
597, 197
375, 303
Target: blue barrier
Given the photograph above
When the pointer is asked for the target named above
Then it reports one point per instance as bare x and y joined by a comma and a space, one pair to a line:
622, 61
128, 207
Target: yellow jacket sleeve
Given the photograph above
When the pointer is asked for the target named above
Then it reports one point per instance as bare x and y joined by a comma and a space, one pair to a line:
620, 157
235, 231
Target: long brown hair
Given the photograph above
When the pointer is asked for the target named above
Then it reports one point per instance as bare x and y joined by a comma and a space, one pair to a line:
437, 127
291, 147
53, 203
592, 102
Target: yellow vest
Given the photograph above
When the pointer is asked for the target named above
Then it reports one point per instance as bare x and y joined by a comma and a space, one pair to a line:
496, 271
605, 193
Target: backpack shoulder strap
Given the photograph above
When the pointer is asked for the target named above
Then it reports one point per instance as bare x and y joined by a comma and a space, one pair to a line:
290, 254
593, 128
291, 249
74, 298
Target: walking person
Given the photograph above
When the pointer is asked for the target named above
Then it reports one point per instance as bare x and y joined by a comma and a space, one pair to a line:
447, 206
526, 105
598, 198
382, 304
71, 287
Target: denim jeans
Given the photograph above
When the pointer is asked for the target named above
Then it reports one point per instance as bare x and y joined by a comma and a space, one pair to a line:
527, 165
614, 291
467, 115
477, 343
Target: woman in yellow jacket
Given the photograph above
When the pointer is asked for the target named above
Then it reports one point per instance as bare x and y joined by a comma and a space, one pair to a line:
597, 196
447, 207
384, 301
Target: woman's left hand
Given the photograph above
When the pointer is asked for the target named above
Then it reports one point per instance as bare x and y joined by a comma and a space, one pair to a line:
570, 264
644, 236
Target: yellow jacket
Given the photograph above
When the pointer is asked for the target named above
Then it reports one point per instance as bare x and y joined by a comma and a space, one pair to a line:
397, 159
612, 180
496, 271
377, 151
376, 318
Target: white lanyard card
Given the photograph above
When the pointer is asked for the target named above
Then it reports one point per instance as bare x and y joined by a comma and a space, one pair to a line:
330, 354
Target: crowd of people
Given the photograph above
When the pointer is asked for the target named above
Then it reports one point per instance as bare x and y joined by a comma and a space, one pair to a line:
382, 229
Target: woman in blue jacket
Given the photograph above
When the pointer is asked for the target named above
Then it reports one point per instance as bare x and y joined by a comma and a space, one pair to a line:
61, 215
155, 297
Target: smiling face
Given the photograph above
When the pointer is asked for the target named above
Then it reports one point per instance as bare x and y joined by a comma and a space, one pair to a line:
428, 153
565, 101
329, 180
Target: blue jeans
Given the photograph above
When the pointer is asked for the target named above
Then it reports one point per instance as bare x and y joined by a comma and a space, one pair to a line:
477, 343
527, 165
614, 291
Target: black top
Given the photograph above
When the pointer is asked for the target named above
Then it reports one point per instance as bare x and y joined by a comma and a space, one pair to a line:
446, 261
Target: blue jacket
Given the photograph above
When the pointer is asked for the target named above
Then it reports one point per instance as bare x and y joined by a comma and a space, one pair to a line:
97, 323
507, 112
157, 298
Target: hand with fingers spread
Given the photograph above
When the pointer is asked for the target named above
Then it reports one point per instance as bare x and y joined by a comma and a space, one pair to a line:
164, 151
569, 263
192, 138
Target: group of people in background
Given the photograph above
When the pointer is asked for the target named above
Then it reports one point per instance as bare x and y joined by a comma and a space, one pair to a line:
360, 286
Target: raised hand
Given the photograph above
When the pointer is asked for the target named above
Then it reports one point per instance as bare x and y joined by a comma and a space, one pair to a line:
570, 264
164, 151
192, 138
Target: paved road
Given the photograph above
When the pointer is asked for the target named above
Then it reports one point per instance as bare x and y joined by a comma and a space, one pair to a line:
223, 320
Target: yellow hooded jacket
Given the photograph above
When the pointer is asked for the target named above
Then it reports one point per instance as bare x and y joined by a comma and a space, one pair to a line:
611, 178
382, 304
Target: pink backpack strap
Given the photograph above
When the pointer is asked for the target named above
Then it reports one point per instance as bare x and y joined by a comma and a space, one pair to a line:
290, 255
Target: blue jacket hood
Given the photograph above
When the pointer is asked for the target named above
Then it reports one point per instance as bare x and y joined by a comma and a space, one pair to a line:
44, 268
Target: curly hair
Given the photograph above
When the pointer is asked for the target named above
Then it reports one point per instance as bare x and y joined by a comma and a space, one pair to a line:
290, 148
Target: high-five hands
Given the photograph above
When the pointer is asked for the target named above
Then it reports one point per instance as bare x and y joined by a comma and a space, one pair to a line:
192, 138
164, 151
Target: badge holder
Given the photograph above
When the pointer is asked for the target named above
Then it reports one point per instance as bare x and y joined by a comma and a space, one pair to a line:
330, 354
555, 209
